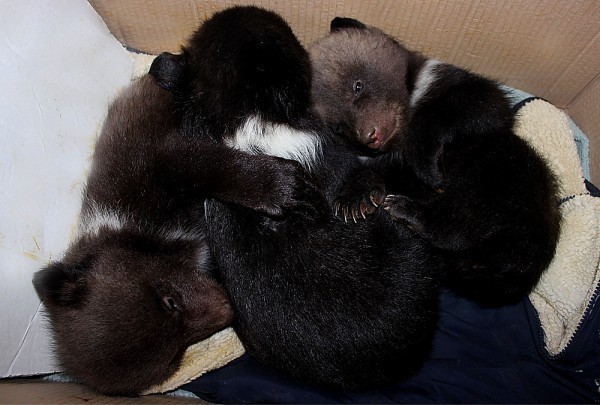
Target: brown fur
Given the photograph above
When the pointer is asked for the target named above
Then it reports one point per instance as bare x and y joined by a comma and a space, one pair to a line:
378, 118
136, 288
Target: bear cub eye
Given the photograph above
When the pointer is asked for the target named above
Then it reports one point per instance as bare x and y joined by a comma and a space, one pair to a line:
170, 303
358, 86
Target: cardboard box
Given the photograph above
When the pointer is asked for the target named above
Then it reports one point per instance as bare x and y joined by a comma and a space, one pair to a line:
32, 391
60, 69
63, 61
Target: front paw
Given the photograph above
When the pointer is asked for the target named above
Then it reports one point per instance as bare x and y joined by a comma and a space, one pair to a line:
358, 206
405, 210
289, 188
360, 196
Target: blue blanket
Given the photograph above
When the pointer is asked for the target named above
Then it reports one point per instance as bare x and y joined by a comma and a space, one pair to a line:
480, 355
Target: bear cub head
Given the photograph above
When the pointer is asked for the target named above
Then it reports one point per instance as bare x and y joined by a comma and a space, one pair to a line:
360, 86
123, 308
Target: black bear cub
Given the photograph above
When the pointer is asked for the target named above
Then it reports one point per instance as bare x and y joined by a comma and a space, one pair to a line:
137, 286
440, 156
326, 302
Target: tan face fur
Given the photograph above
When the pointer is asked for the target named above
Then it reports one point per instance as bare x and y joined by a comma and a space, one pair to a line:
359, 85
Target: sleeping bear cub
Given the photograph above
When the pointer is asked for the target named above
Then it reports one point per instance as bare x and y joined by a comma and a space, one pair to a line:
440, 156
348, 306
137, 286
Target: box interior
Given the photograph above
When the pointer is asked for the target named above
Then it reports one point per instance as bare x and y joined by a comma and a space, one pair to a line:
549, 48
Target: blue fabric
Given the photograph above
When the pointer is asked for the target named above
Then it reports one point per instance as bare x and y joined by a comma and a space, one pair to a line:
482, 355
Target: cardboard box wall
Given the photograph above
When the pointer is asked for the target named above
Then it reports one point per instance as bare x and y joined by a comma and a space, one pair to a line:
547, 48
60, 68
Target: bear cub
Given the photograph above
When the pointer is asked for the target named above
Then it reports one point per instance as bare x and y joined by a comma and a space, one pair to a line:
441, 157
138, 285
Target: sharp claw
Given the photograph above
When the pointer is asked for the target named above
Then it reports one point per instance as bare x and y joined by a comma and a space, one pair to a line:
373, 201
337, 208
354, 216
345, 211
363, 209
389, 199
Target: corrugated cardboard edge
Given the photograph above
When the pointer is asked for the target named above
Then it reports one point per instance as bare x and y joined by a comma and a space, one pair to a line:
36, 391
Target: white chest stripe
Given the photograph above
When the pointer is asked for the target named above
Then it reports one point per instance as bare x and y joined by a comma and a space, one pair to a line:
425, 79
97, 217
259, 137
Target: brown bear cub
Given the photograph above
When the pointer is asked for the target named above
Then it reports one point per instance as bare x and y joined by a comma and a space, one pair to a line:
137, 286
440, 156
327, 302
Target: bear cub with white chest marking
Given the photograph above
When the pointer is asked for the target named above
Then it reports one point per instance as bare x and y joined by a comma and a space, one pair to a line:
440, 156
329, 303
138, 286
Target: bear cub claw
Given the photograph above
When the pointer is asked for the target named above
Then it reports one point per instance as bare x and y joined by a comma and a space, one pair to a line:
361, 197
405, 210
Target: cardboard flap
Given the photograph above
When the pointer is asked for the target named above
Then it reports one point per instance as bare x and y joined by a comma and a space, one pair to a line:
60, 68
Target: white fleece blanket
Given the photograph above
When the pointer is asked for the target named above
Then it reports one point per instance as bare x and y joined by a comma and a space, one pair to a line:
568, 285
564, 291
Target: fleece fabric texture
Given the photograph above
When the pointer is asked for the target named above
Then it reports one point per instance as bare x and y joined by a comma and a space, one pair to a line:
543, 349
581, 141
204, 356
564, 294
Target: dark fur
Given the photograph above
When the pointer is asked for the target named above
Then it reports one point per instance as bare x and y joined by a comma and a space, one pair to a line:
328, 303
450, 165
128, 299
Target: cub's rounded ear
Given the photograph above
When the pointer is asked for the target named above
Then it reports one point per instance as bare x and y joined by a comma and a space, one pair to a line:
167, 69
60, 285
340, 23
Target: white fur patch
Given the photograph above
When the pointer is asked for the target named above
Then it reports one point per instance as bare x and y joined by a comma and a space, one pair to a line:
97, 217
259, 137
202, 255
426, 77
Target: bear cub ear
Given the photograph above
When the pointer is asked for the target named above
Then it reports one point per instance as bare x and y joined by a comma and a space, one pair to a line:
167, 69
340, 23
60, 285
